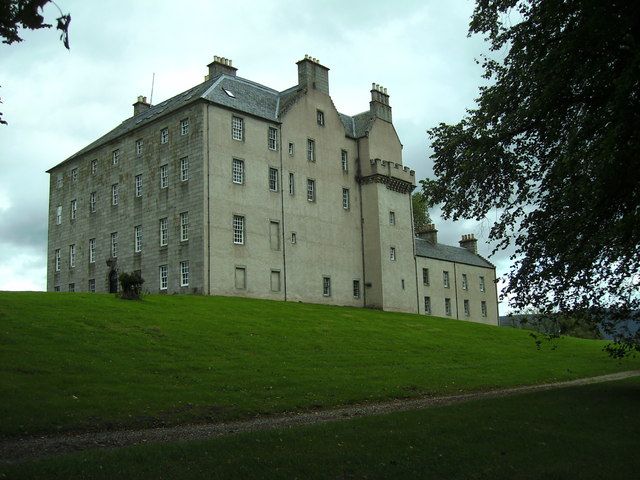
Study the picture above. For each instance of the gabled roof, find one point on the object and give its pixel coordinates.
(449, 253)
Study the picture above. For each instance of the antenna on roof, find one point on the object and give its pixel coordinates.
(153, 79)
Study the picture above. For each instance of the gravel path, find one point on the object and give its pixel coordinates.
(29, 448)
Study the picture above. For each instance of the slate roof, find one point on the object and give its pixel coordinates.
(248, 97)
(449, 253)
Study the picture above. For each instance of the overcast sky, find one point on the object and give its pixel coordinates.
(58, 101)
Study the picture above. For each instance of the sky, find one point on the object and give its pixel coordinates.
(58, 101)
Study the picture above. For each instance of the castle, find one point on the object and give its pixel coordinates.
(234, 188)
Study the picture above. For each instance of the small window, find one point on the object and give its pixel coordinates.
(241, 278)
(467, 310)
(92, 250)
(59, 180)
(274, 235)
(164, 176)
(164, 232)
(114, 194)
(228, 92)
(92, 285)
(139, 185)
(272, 140)
(311, 150)
(482, 287)
(139, 146)
(356, 289)
(184, 169)
(114, 244)
(164, 135)
(115, 157)
(292, 184)
(57, 259)
(392, 254)
(275, 280)
(402, 283)
(74, 209)
(427, 305)
(465, 283)
(184, 126)
(344, 161)
(445, 278)
(72, 287)
(184, 274)
(320, 117)
(447, 306)
(92, 202)
(237, 171)
(291, 149)
(184, 226)
(137, 238)
(238, 229)
(94, 167)
(273, 179)
(483, 308)
(58, 214)
(56, 288)
(392, 217)
(164, 277)
(345, 199)
(326, 286)
(311, 190)
(74, 175)
(425, 276)
(237, 128)
(294, 238)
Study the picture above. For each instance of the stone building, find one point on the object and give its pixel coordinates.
(234, 188)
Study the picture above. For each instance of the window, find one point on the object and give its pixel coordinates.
(326, 286)
(237, 174)
(445, 278)
(392, 254)
(56, 288)
(447, 306)
(164, 232)
(273, 179)
(58, 214)
(311, 190)
(392, 217)
(483, 308)
(184, 274)
(164, 176)
(427, 305)
(72, 256)
(72, 287)
(237, 128)
(184, 226)
(481, 283)
(345, 198)
(241, 278)
(139, 185)
(164, 277)
(292, 184)
(273, 139)
(402, 283)
(92, 202)
(137, 238)
(94, 167)
(294, 238)
(184, 169)
(74, 209)
(320, 117)
(115, 157)
(114, 244)
(344, 161)
(356, 289)
(291, 148)
(465, 283)
(274, 235)
(92, 285)
(425, 276)
(311, 150)
(275, 280)
(467, 311)
(164, 135)
(139, 146)
(92, 250)
(184, 126)
(74, 175)
(57, 259)
(114, 194)
(238, 229)
(59, 180)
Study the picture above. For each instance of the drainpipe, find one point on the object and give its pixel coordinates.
(364, 273)
(206, 120)
(284, 244)
(415, 259)
(455, 286)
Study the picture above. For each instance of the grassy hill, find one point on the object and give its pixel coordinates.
(87, 361)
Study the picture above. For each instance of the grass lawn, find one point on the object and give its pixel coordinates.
(589, 432)
(87, 361)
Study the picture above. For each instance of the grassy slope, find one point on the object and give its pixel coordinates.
(79, 361)
(584, 432)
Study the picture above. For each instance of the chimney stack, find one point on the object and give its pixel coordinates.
(141, 105)
(219, 66)
(312, 75)
(379, 104)
(470, 243)
(428, 233)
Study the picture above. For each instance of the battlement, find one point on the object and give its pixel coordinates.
(398, 171)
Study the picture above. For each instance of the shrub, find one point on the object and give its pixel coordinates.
(131, 284)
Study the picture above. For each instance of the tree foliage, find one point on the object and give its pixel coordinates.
(16, 14)
(552, 151)
(421, 215)
(131, 284)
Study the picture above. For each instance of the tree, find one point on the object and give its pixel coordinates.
(131, 284)
(421, 215)
(15, 14)
(553, 147)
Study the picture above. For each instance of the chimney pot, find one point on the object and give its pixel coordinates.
(469, 242)
(221, 65)
(141, 105)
